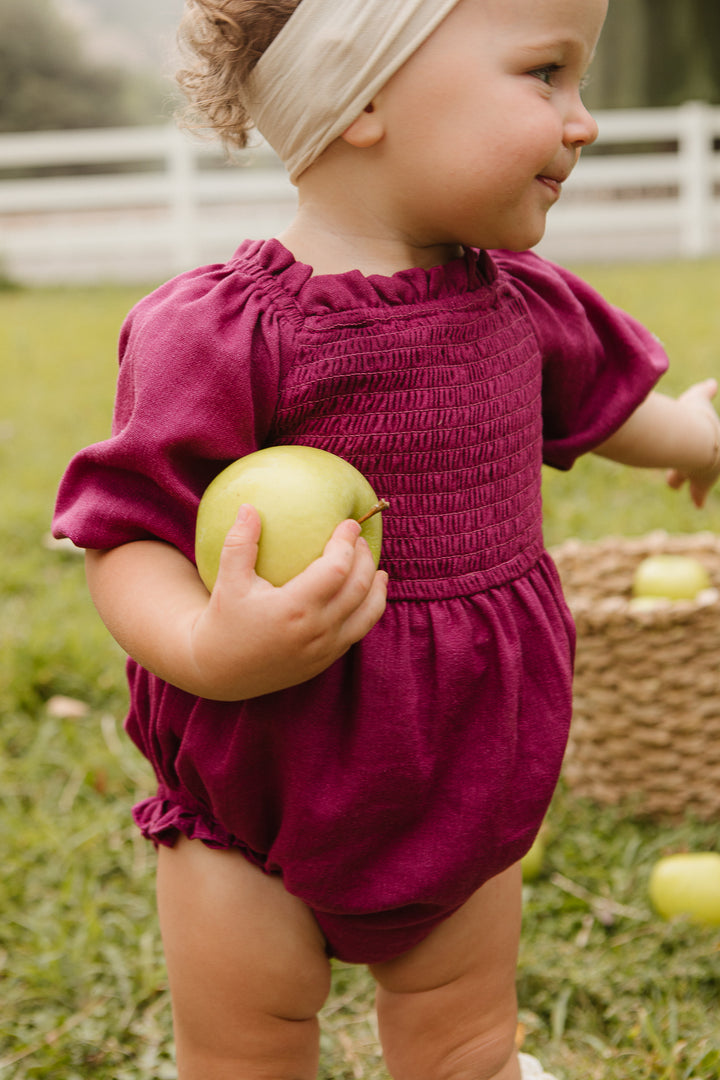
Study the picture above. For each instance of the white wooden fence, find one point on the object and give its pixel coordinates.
(138, 204)
(649, 187)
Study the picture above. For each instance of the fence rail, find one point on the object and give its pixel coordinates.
(650, 184)
(142, 203)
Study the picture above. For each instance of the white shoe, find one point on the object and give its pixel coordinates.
(531, 1069)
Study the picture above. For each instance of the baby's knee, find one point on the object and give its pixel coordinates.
(462, 1042)
(490, 1055)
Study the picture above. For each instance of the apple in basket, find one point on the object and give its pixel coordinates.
(687, 884)
(670, 577)
(301, 494)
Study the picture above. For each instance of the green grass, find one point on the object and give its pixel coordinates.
(679, 303)
(607, 990)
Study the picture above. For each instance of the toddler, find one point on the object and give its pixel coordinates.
(353, 764)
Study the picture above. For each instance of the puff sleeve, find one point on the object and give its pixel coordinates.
(197, 386)
(599, 363)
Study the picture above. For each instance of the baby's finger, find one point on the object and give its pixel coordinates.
(240, 551)
(362, 619)
(698, 493)
(675, 479)
(705, 390)
(326, 576)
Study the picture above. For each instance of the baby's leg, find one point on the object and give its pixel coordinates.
(247, 967)
(447, 1009)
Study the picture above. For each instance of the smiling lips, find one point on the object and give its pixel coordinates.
(555, 185)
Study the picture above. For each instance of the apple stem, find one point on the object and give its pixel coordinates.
(383, 504)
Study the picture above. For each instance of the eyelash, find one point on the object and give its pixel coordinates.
(545, 73)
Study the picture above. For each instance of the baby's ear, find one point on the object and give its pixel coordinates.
(366, 130)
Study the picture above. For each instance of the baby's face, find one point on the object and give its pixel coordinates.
(485, 121)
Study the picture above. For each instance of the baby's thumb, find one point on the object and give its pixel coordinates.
(706, 390)
(240, 549)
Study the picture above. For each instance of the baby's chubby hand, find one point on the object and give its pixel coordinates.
(698, 401)
(253, 638)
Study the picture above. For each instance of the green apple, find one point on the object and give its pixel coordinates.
(301, 494)
(674, 577)
(533, 861)
(646, 603)
(687, 884)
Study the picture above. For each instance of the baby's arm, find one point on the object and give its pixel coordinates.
(247, 638)
(681, 435)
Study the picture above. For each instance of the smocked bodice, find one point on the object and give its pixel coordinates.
(439, 405)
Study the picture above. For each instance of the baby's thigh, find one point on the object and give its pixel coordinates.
(246, 963)
(447, 1008)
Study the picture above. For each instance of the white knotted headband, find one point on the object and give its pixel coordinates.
(326, 65)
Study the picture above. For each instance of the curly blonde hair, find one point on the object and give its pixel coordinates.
(223, 40)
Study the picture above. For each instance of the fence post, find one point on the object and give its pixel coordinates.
(696, 194)
(181, 167)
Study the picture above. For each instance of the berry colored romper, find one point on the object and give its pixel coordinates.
(390, 787)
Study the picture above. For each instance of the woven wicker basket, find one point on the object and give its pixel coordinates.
(646, 723)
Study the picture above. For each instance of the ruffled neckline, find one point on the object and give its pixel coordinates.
(325, 293)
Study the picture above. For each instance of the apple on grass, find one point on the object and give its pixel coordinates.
(687, 884)
(669, 577)
(533, 861)
(301, 494)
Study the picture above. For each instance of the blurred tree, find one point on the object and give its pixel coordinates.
(657, 52)
(652, 52)
(46, 81)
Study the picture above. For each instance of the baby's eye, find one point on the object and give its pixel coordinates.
(546, 72)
